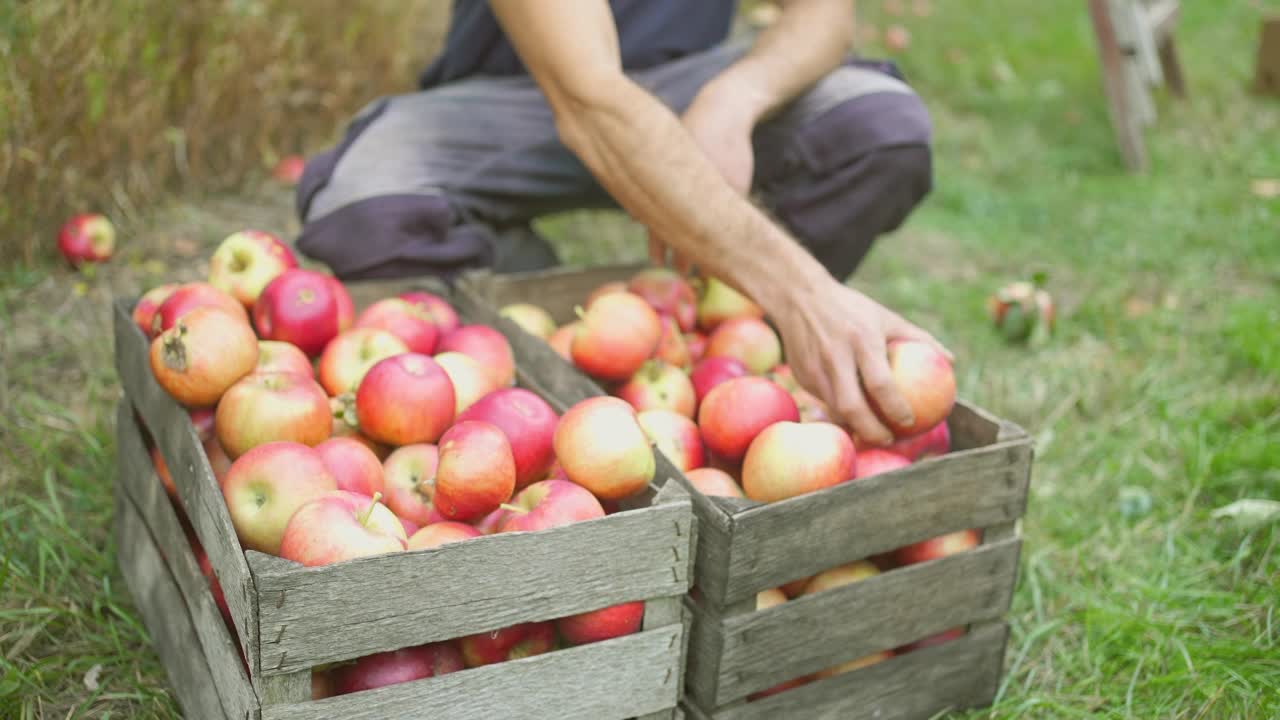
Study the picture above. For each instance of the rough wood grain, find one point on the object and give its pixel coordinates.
(926, 683)
(138, 481)
(165, 615)
(810, 633)
(620, 678)
(773, 544)
(286, 689)
(201, 498)
(337, 612)
(706, 643)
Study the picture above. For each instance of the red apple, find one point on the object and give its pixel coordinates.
(202, 419)
(854, 665)
(162, 471)
(288, 169)
(469, 379)
(298, 306)
(487, 347)
(349, 356)
(712, 481)
(441, 312)
(441, 533)
(352, 464)
(509, 643)
(811, 408)
(405, 399)
(145, 311)
(935, 441)
(609, 288)
(659, 386)
(272, 407)
(266, 485)
(603, 624)
(840, 576)
(397, 666)
(675, 436)
(190, 296)
(671, 346)
(750, 340)
(246, 261)
(938, 547)
(618, 332)
(719, 302)
(275, 356)
(531, 318)
(924, 377)
(340, 526)
(710, 372)
(203, 355)
(668, 293)
(346, 308)
(562, 340)
(874, 461)
(529, 424)
(940, 638)
(219, 462)
(409, 481)
(410, 528)
(491, 523)
(547, 504)
(696, 343)
(788, 459)
(795, 588)
(407, 321)
(477, 472)
(87, 238)
(735, 411)
(321, 684)
(601, 446)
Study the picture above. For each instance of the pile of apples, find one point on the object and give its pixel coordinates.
(336, 435)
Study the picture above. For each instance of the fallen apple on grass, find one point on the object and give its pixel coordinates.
(476, 473)
(789, 458)
(301, 307)
(509, 643)
(737, 410)
(350, 354)
(339, 526)
(408, 322)
(405, 399)
(202, 355)
(271, 407)
(601, 446)
(658, 385)
(267, 485)
(246, 262)
(397, 666)
(603, 624)
(87, 238)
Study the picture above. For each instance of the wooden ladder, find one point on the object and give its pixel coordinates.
(1138, 53)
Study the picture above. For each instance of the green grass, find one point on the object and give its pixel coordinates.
(1163, 382)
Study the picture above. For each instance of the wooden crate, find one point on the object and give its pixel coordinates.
(744, 547)
(289, 619)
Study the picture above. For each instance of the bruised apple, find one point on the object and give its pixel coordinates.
(601, 446)
(734, 412)
(205, 352)
(617, 334)
(788, 459)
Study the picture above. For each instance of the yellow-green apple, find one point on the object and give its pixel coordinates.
(275, 356)
(470, 381)
(441, 312)
(298, 306)
(601, 446)
(617, 333)
(667, 292)
(547, 504)
(675, 436)
(413, 325)
(658, 385)
(603, 624)
(267, 485)
(854, 665)
(144, 311)
(718, 302)
(938, 547)
(924, 377)
(789, 458)
(476, 473)
(751, 340)
(840, 576)
(409, 481)
(350, 354)
(441, 533)
(531, 318)
(562, 340)
(529, 423)
(873, 461)
(617, 286)
(940, 638)
(346, 308)
(773, 597)
(203, 354)
(339, 526)
(288, 169)
(935, 441)
(713, 481)
(509, 643)
(736, 410)
(246, 261)
(671, 345)
(397, 666)
(710, 372)
(190, 296)
(272, 407)
(352, 464)
(696, 343)
(487, 347)
(405, 399)
(87, 238)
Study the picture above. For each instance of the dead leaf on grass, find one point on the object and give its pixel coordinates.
(91, 678)
(1266, 188)
(1249, 511)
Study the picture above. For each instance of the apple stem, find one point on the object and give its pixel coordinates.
(368, 512)
(513, 508)
(577, 310)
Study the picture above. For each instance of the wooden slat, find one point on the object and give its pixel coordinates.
(963, 673)
(972, 427)
(201, 498)
(165, 615)
(620, 678)
(558, 291)
(810, 633)
(139, 482)
(311, 616)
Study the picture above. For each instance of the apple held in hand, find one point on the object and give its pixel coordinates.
(441, 533)
(267, 485)
(938, 547)
(339, 526)
(349, 356)
(659, 386)
(441, 312)
(405, 399)
(789, 459)
(87, 238)
(476, 473)
(397, 666)
(246, 261)
(603, 624)
(529, 423)
(282, 357)
(601, 446)
(409, 481)
(353, 465)
(190, 296)
(617, 334)
(710, 372)
(719, 302)
(676, 437)
(737, 410)
(748, 339)
(924, 377)
(874, 461)
(145, 311)
(668, 293)
(272, 407)
(714, 482)
(410, 323)
(203, 355)
(531, 318)
(301, 307)
(509, 643)
(547, 504)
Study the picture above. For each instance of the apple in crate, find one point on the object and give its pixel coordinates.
(349, 356)
(271, 407)
(529, 423)
(476, 473)
(509, 643)
(441, 533)
(840, 576)
(246, 261)
(671, 345)
(854, 665)
(617, 334)
(267, 485)
(87, 238)
(940, 638)
(719, 302)
(603, 624)
(658, 385)
(609, 288)
(737, 410)
(301, 307)
(714, 482)
(487, 347)
(409, 481)
(397, 666)
(346, 308)
(710, 372)
(935, 441)
(353, 465)
(410, 323)
(773, 597)
(788, 459)
(275, 356)
(925, 378)
(675, 436)
(873, 461)
(938, 547)
(202, 355)
(601, 446)
(339, 526)
(441, 312)
(696, 343)
(469, 379)
(667, 292)
(190, 296)
(405, 399)
(547, 504)
(530, 318)
(144, 311)
(562, 340)
(748, 339)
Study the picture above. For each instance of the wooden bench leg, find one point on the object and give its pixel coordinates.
(1172, 67)
(1124, 117)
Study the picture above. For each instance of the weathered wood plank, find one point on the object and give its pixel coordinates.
(774, 544)
(972, 427)
(311, 616)
(558, 291)
(137, 479)
(808, 634)
(201, 498)
(286, 689)
(165, 615)
(610, 680)
(963, 673)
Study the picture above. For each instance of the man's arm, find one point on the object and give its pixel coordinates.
(638, 150)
